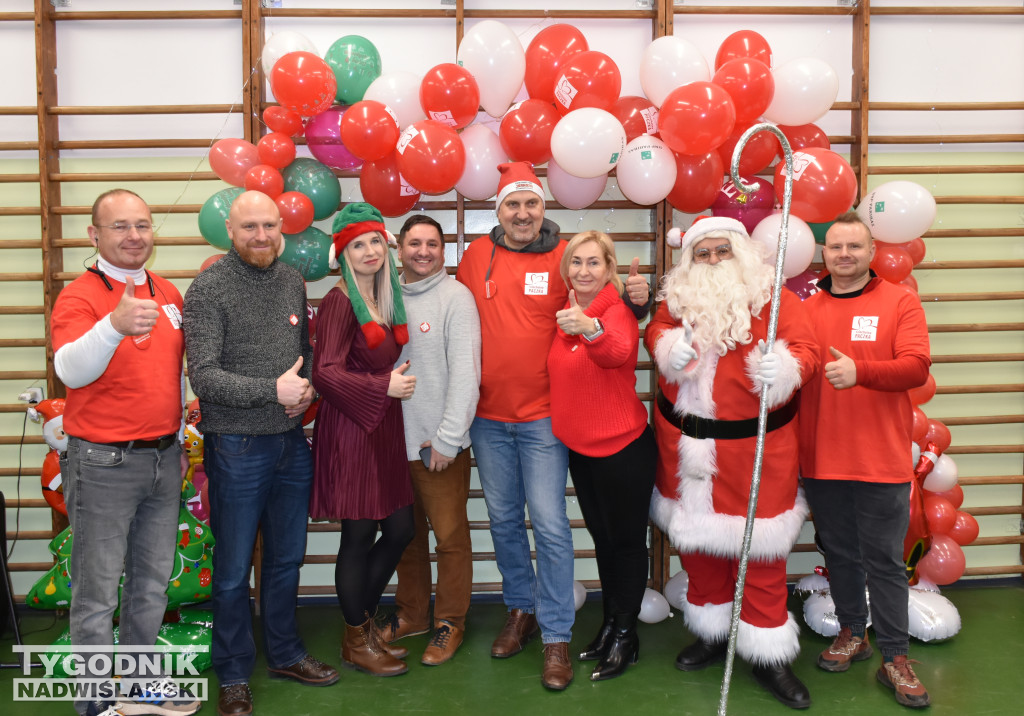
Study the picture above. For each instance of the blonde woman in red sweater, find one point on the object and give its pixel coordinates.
(612, 452)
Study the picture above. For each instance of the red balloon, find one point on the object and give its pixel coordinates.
(525, 131)
(637, 115)
(803, 284)
(940, 514)
(757, 155)
(231, 158)
(698, 181)
(923, 393)
(210, 261)
(744, 43)
(431, 156)
(944, 563)
(284, 120)
(955, 495)
(892, 262)
(382, 185)
(276, 149)
(589, 79)
(910, 283)
(824, 185)
(801, 137)
(937, 433)
(296, 211)
(369, 129)
(750, 84)
(303, 82)
(965, 529)
(266, 179)
(920, 427)
(449, 94)
(916, 249)
(545, 56)
(696, 118)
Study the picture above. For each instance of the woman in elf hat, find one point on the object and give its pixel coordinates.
(361, 475)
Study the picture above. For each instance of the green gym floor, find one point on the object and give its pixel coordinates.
(976, 672)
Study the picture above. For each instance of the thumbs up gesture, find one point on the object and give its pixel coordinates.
(573, 320)
(133, 316)
(637, 287)
(842, 372)
(401, 385)
(291, 387)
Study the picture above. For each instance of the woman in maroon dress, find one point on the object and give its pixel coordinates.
(361, 475)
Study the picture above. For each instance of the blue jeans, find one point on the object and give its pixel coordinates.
(523, 465)
(257, 481)
(123, 506)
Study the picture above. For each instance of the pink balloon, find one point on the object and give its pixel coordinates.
(803, 284)
(571, 191)
(944, 563)
(323, 137)
(232, 158)
(748, 209)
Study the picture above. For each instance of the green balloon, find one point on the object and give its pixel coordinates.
(818, 230)
(213, 215)
(181, 634)
(356, 64)
(315, 180)
(307, 251)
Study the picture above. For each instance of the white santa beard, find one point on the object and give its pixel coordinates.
(715, 300)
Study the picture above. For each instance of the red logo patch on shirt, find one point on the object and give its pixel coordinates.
(424, 327)
(293, 319)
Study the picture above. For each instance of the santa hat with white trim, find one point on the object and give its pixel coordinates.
(701, 226)
(517, 176)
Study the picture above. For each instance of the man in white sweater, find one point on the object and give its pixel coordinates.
(444, 350)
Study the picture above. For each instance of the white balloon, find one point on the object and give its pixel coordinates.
(579, 593)
(915, 454)
(932, 617)
(573, 192)
(805, 90)
(401, 92)
(653, 608)
(647, 171)
(671, 62)
(495, 57)
(480, 177)
(588, 142)
(799, 244)
(820, 614)
(280, 44)
(810, 584)
(675, 589)
(943, 476)
(897, 211)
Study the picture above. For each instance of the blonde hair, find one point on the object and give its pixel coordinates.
(607, 252)
(383, 290)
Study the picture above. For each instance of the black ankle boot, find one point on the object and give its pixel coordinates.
(784, 685)
(701, 654)
(623, 650)
(599, 646)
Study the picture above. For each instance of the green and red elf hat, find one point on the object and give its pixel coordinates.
(355, 220)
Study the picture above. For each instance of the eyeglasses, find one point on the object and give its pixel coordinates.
(121, 228)
(703, 256)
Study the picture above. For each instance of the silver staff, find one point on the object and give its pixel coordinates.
(762, 414)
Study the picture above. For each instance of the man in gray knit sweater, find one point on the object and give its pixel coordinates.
(249, 361)
(444, 350)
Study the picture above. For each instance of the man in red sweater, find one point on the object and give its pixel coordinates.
(873, 343)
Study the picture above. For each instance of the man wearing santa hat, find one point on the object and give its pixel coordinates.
(708, 340)
(514, 276)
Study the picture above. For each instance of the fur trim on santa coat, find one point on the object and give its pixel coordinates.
(756, 645)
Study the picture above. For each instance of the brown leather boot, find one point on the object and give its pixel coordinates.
(397, 651)
(362, 650)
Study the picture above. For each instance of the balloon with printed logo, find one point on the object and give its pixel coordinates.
(214, 213)
(355, 62)
(231, 158)
(824, 185)
(897, 211)
(525, 131)
(574, 192)
(698, 179)
(799, 245)
(750, 84)
(589, 79)
(944, 563)
(805, 90)
(588, 142)
(696, 118)
(400, 91)
(383, 186)
(303, 82)
(431, 156)
(801, 137)
(296, 211)
(748, 209)
(668, 63)
(323, 137)
(280, 44)
(266, 179)
(369, 129)
(923, 393)
(965, 529)
(547, 52)
(276, 150)
(757, 154)
(637, 115)
(492, 53)
(480, 174)
(743, 44)
(449, 95)
(307, 251)
(647, 171)
(891, 262)
(283, 120)
(316, 181)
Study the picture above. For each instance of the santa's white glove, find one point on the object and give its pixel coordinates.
(682, 352)
(768, 366)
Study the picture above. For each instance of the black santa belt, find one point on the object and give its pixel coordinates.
(707, 428)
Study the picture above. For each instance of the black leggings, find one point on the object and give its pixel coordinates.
(364, 567)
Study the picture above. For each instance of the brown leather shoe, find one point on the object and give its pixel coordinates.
(397, 651)
(363, 650)
(234, 700)
(557, 666)
(443, 645)
(519, 628)
(309, 671)
(395, 627)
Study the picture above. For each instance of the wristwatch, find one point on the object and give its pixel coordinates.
(600, 330)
